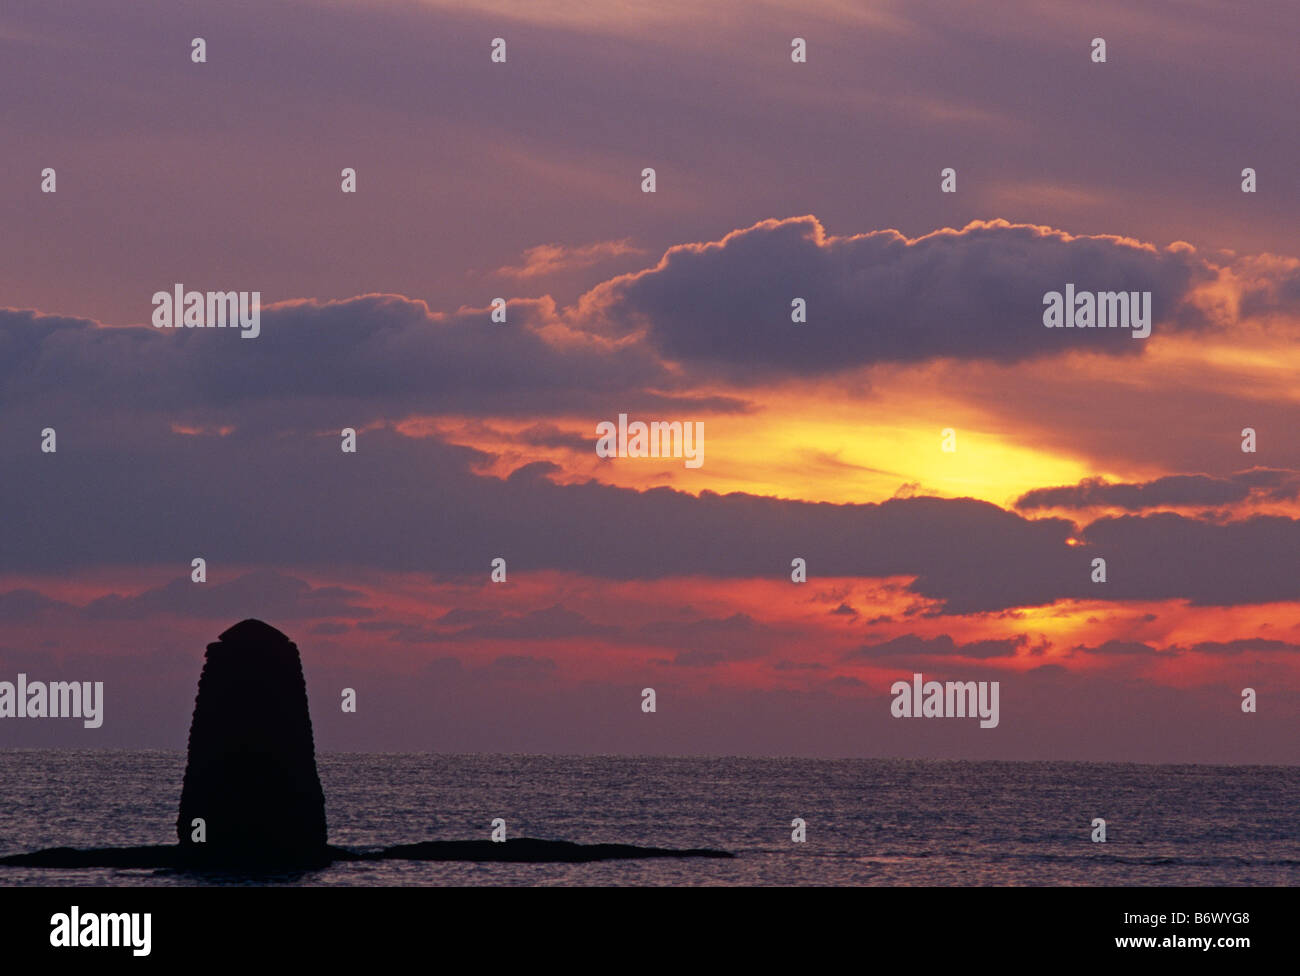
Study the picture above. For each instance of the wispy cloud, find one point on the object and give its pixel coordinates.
(546, 259)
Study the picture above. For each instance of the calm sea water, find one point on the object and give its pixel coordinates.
(870, 822)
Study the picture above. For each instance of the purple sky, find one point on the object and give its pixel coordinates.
(523, 180)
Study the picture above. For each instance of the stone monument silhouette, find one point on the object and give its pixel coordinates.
(250, 777)
(251, 800)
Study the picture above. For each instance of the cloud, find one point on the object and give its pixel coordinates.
(1238, 646)
(330, 628)
(418, 505)
(1119, 647)
(703, 640)
(1169, 556)
(1245, 644)
(1170, 491)
(25, 604)
(368, 358)
(698, 659)
(546, 259)
(912, 645)
(524, 666)
(536, 435)
(551, 623)
(550, 157)
(721, 308)
(1270, 284)
(880, 297)
(263, 593)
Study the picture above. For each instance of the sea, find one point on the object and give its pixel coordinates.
(867, 821)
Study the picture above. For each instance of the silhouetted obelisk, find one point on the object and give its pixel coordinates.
(251, 774)
(251, 778)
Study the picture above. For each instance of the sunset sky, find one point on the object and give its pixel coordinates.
(775, 180)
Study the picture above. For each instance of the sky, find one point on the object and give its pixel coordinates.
(824, 440)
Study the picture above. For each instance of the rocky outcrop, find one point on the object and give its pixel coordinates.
(251, 772)
(251, 778)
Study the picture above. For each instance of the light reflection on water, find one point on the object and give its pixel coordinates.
(872, 822)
